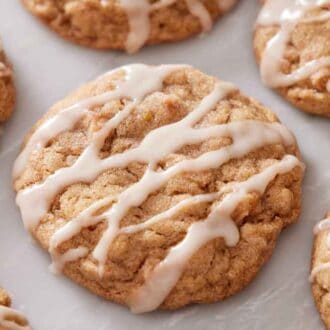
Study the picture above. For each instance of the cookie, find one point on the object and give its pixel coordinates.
(126, 24)
(292, 47)
(158, 194)
(320, 269)
(7, 91)
(10, 319)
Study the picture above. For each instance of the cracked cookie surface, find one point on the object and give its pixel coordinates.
(76, 206)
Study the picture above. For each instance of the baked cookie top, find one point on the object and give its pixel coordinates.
(320, 265)
(127, 24)
(158, 186)
(7, 93)
(292, 46)
(10, 319)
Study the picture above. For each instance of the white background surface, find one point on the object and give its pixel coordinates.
(47, 68)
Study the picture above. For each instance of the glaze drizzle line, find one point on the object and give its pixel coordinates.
(138, 14)
(219, 222)
(288, 14)
(246, 136)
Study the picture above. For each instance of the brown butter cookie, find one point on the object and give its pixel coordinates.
(162, 193)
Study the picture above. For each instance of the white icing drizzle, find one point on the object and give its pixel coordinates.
(318, 269)
(219, 222)
(254, 134)
(138, 13)
(138, 18)
(287, 14)
(246, 136)
(198, 9)
(322, 225)
(41, 195)
(319, 227)
(6, 319)
(69, 256)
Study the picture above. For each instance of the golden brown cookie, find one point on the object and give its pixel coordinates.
(4, 298)
(10, 319)
(7, 91)
(320, 265)
(292, 47)
(159, 186)
(126, 24)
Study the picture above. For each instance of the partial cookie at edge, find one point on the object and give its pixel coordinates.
(321, 279)
(7, 90)
(216, 271)
(308, 41)
(10, 318)
(106, 24)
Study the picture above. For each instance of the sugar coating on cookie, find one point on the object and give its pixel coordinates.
(7, 92)
(292, 45)
(127, 24)
(320, 269)
(10, 319)
(158, 186)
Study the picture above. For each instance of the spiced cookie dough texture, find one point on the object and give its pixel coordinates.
(320, 274)
(158, 187)
(292, 46)
(127, 24)
(10, 319)
(7, 91)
